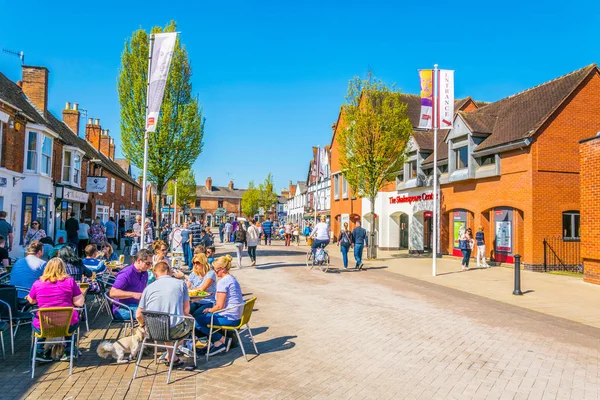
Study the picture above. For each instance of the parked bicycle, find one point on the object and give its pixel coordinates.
(320, 260)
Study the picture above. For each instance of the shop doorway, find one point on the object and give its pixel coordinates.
(404, 229)
(428, 231)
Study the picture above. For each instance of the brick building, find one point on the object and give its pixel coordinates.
(45, 163)
(216, 204)
(590, 208)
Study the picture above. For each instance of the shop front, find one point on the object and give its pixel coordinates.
(67, 201)
(402, 220)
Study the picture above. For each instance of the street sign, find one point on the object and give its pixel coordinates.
(169, 200)
(219, 212)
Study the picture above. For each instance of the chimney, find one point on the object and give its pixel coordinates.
(35, 86)
(209, 184)
(111, 150)
(230, 185)
(71, 116)
(105, 143)
(92, 133)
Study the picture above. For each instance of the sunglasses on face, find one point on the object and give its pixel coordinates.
(163, 249)
(148, 263)
(197, 263)
(34, 223)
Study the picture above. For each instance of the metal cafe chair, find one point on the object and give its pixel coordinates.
(9, 311)
(157, 327)
(131, 322)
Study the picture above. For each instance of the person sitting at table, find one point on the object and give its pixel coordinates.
(91, 259)
(108, 254)
(202, 278)
(73, 264)
(168, 295)
(160, 252)
(210, 254)
(29, 269)
(229, 294)
(55, 288)
(130, 283)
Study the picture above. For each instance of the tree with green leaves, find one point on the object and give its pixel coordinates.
(373, 138)
(251, 201)
(186, 187)
(177, 142)
(268, 197)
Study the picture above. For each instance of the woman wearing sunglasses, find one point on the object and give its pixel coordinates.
(33, 233)
(229, 295)
(202, 278)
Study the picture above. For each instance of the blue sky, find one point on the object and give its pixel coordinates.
(271, 75)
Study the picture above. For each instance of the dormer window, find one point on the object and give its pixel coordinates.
(412, 169)
(461, 157)
(443, 169)
(487, 160)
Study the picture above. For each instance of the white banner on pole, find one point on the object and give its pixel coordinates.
(323, 163)
(162, 53)
(446, 98)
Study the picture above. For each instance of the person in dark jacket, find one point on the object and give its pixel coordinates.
(359, 241)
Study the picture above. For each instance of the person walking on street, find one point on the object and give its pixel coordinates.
(221, 231)
(72, 228)
(296, 234)
(287, 233)
(228, 227)
(6, 230)
(84, 237)
(465, 244)
(111, 231)
(253, 238)
(359, 241)
(97, 235)
(185, 245)
(195, 229)
(345, 242)
(267, 227)
(121, 231)
(307, 231)
(240, 243)
(480, 239)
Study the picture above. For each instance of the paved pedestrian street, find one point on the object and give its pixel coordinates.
(372, 334)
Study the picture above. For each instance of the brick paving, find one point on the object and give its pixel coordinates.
(349, 335)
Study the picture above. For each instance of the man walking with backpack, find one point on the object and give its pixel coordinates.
(360, 241)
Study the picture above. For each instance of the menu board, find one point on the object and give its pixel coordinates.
(459, 226)
(503, 236)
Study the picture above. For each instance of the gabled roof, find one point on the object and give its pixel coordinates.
(302, 186)
(442, 148)
(124, 164)
(219, 191)
(521, 115)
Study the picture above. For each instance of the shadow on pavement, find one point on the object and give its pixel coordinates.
(276, 344)
(279, 265)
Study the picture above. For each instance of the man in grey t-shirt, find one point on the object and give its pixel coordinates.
(168, 295)
(6, 230)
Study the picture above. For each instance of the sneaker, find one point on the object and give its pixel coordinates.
(43, 358)
(220, 349)
(200, 344)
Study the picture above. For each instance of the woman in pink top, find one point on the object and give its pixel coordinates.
(55, 288)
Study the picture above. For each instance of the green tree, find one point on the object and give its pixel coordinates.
(251, 201)
(186, 187)
(268, 197)
(177, 141)
(374, 137)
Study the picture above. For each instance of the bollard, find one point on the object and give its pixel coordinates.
(517, 291)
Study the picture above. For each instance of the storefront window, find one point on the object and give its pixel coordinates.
(27, 213)
(461, 157)
(570, 222)
(504, 234)
(35, 207)
(42, 212)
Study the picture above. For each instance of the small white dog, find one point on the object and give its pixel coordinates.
(118, 349)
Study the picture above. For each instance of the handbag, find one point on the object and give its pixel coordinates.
(463, 245)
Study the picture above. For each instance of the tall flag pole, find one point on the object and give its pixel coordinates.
(436, 229)
(317, 181)
(160, 50)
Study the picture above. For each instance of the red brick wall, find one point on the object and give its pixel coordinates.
(13, 146)
(35, 86)
(590, 209)
(115, 200)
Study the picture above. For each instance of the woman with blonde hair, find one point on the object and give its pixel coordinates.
(55, 288)
(229, 295)
(202, 278)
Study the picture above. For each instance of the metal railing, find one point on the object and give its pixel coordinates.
(562, 254)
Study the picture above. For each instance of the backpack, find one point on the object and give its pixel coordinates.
(344, 239)
(240, 235)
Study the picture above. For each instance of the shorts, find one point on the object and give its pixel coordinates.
(135, 247)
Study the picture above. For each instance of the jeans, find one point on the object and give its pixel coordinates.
(122, 314)
(358, 252)
(466, 257)
(267, 237)
(221, 236)
(344, 250)
(198, 306)
(185, 247)
(238, 249)
(252, 253)
(481, 255)
(40, 343)
(203, 321)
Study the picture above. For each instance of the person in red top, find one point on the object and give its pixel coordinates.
(55, 288)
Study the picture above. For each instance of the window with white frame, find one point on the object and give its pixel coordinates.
(412, 169)
(336, 187)
(122, 189)
(344, 187)
(31, 151)
(571, 220)
(112, 185)
(461, 158)
(71, 168)
(102, 212)
(46, 155)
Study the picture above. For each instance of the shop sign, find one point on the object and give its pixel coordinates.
(96, 184)
(411, 199)
(503, 236)
(428, 214)
(219, 212)
(75, 195)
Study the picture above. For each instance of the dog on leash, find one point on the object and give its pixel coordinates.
(58, 349)
(118, 349)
